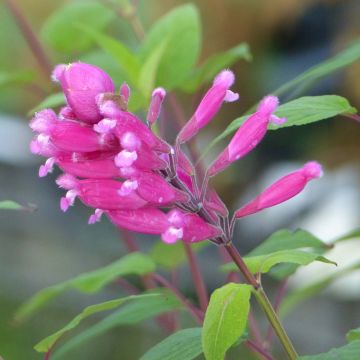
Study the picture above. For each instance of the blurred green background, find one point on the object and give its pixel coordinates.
(44, 247)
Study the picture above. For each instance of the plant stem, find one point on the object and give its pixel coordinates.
(256, 348)
(30, 37)
(263, 301)
(197, 277)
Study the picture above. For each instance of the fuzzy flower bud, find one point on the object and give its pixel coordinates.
(248, 136)
(157, 99)
(81, 84)
(283, 189)
(210, 105)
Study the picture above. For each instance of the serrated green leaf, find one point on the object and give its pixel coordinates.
(47, 343)
(302, 111)
(214, 64)
(263, 263)
(338, 62)
(138, 310)
(296, 296)
(51, 101)
(225, 319)
(150, 68)
(288, 240)
(16, 78)
(122, 55)
(184, 344)
(10, 205)
(174, 255)
(90, 282)
(181, 27)
(353, 335)
(60, 29)
(348, 352)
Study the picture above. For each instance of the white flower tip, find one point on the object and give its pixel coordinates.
(268, 105)
(125, 158)
(128, 187)
(172, 235)
(313, 170)
(130, 141)
(161, 92)
(225, 78)
(277, 120)
(96, 217)
(64, 204)
(57, 72)
(67, 181)
(231, 96)
(104, 126)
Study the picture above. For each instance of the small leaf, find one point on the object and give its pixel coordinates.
(225, 319)
(61, 32)
(90, 282)
(181, 27)
(351, 235)
(47, 343)
(263, 263)
(174, 255)
(338, 62)
(348, 352)
(288, 240)
(138, 310)
(214, 64)
(10, 205)
(353, 335)
(149, 70)
(51, 101)
(184, 344)
(16, 78)
(124, 57)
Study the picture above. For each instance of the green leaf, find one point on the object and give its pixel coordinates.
(288, 240)
(138, 310)
(225, 319)
(16, 78)
(214, 64)
(172, 256)
(263, 263)
(47, 343)
(302, 294)
(351, 235)
(61, 32)
(90, 282)
(353, 335)
(51, 101)
(181, 27)
(124, 57)
(149, 70)
(302, 111)
(338, 62)
(10, 205)
(184, 344)
(348, 352)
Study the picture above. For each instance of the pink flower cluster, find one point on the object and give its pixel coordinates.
(114, 163)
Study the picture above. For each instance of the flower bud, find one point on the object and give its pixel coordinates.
(157, 99)
(283, 189)
(81, 83)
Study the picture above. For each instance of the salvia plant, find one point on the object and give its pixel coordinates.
(122, 166)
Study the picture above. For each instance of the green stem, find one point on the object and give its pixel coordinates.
(263, 301)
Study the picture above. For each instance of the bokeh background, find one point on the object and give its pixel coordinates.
(41, 248)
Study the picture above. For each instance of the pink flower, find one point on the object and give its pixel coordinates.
(282, 190)
(210, 105)
(81, 84)
(118, 166)
(249, 135)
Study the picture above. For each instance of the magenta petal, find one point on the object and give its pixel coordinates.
(282, 190)
(147, 220)
(81, 84)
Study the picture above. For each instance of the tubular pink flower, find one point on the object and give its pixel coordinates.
(248, 136)
(157, 99)
(101, 193)
(145, 220)
(283, 189)
(81, 84)
(210, 105)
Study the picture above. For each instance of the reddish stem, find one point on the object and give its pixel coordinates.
(30, 37)
(197, 278)
(129, 241)
(256, 348)
(355, 117)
